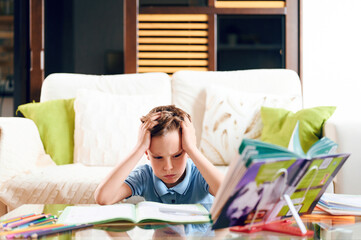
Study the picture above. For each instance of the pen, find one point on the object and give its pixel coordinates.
(183, 211)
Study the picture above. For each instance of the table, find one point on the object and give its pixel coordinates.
(323, 230)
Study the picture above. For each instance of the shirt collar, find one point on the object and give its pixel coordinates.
(180, 188)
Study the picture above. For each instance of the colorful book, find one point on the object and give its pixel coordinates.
(257, 181)
(143, 212)
(340, 204)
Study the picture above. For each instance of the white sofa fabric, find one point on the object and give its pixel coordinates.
(28, 175)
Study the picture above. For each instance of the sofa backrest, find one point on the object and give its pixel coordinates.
(65, 85)
(189, 87)
(186, 89)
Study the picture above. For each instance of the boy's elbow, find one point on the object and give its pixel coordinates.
(103, 199)
(99, 198)
(101, 202)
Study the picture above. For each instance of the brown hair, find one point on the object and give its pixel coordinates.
(169, 120)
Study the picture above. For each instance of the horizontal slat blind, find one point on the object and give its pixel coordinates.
(172, 42)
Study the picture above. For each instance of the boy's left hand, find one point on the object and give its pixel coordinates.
(189, 140)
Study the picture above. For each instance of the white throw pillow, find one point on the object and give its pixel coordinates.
(106, 125)
(232, 115)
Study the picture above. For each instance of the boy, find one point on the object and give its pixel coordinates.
(167, 137)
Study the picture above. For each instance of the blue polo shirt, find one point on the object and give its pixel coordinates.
(193, 188)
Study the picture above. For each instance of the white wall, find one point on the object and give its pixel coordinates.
(332, 53)
(331, 75)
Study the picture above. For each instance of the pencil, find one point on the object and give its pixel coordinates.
(28, 229)
(14, 219)
(55, 230)
(330, 217)
(27, 220)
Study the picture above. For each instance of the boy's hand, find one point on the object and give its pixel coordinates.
(189, 140)
(144, 132)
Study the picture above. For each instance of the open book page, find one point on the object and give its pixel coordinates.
(324, 146)
(175, 213)
(96, 214)
(255, 149)
(294, 144)
(249, 151)
(308, 187)
(235, 172)
(258, 191)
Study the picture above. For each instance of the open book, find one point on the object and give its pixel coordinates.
(256, 182)
(143, 212)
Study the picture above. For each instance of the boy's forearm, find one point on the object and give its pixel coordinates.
(209, 172)
(108, 190)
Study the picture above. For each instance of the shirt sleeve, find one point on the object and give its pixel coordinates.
(137, 180)
(200, 179)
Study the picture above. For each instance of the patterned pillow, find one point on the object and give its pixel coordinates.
(106, 125)
(231, 116)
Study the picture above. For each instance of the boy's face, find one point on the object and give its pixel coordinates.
(167, 158)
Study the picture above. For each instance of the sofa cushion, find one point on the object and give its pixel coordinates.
(65, 184)
(232, 115)
(279, 125)
(188, 87)
(106, 125)
(55, 122)
(21, 149)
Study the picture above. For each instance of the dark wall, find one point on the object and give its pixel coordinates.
(21, 53)
(81, 34)
(98, 29)
(59, 47)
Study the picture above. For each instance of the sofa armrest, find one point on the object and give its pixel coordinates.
(21, 148)
(345, 130)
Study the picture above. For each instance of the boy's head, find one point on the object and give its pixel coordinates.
(165, 153)
(169, 120)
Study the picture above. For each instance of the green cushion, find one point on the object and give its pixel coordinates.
(278, 125)
(55, 121)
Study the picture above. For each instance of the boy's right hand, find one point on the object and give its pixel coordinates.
(144, 132)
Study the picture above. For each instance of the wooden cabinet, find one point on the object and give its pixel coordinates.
(210, 35)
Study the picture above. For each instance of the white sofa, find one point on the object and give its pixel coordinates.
(28, 175)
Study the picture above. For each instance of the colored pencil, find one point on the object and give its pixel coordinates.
(4, 223)
(329, 217)
(52, 220)
(56, 230)
(36, 222)
(29, 229)
(27, 220)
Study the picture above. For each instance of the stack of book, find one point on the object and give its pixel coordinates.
(340, 204)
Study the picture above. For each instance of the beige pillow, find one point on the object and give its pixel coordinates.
(106, 125)
(231, 116)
